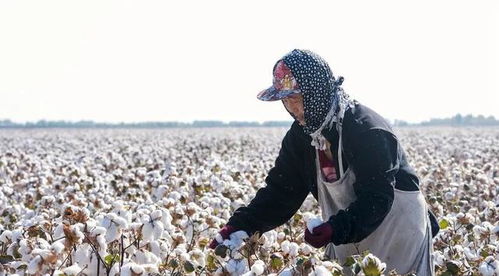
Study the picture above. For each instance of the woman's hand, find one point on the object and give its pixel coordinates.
(224, 235)
(320, 236)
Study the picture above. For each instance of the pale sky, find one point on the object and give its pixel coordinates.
(131, 61)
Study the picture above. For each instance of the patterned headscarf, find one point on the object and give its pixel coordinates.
(324, 100)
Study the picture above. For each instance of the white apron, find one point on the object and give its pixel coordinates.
(403, 240)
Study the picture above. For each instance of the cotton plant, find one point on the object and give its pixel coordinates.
(100, 200)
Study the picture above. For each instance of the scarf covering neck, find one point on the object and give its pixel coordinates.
(324, 100)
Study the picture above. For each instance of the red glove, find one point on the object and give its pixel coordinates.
(225, 233)
(321, 236)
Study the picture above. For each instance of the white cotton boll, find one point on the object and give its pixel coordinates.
(470, 254)
(146, 257)
(174, 195)
(16, 264)
(118, 205)
(71, 270)
(236, 244)
(98, 230)
(166, 219)
(113, 232)
(230, 266)
(155, 248)
(219, 272)
(131, 269)
(152, 230)
(438, 258)
(495, 230)
(184, 256)
(219, 238)
(180, 249)
(101, 241)
(332, 266)
(198, 257)
(24, 250)
(258, 267)
(449, 196)
(6, 236)
(34, 265)
(77, 232)
(156, 215)
(235, 254)
(287, 272)
(489, 267)
(82, 254)
(236, 267)
(478, 230)
(121, 222)
(371, 259)
(59, 232)
(305, 249)
(312, 223)
(293, 249)
(239, 235)
(270, 238)
(281, 236)
(285, 247)
(91, 223)
(320, 270)
(189, 232)
(58, 247)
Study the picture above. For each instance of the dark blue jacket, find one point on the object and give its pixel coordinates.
(376, 157)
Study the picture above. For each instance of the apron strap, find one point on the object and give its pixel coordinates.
(340, 148)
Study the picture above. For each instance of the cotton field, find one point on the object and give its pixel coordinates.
(148, 202)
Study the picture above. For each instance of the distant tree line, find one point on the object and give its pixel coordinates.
(456, 120)
(91, 124)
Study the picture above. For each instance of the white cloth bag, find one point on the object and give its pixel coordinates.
(403, 240)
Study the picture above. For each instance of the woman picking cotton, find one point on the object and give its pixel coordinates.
(351, 161)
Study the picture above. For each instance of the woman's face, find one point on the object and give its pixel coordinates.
(294, 105)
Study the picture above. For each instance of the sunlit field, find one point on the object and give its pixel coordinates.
(149, 201)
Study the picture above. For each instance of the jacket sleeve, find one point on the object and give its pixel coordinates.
(283, 195)
(374, 160)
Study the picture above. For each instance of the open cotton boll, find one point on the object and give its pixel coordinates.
(293, 249)
(320, 270)
(312, 223)
(130, 269)
(236, 267)
(156, 214)
(145, 257)
(305, 249)
(59, 231)
(489, 267)
(198, 257)
(34, 265)
(470, 254)
(270, 237)
(239, 235)
(6, 236)
(58, 247)
(71, 270)
(332, 266)
(371, 262)
(285, 247)
(219, 238)
(287, 272)
(258, 267)
(98, 230)
(152, 230)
